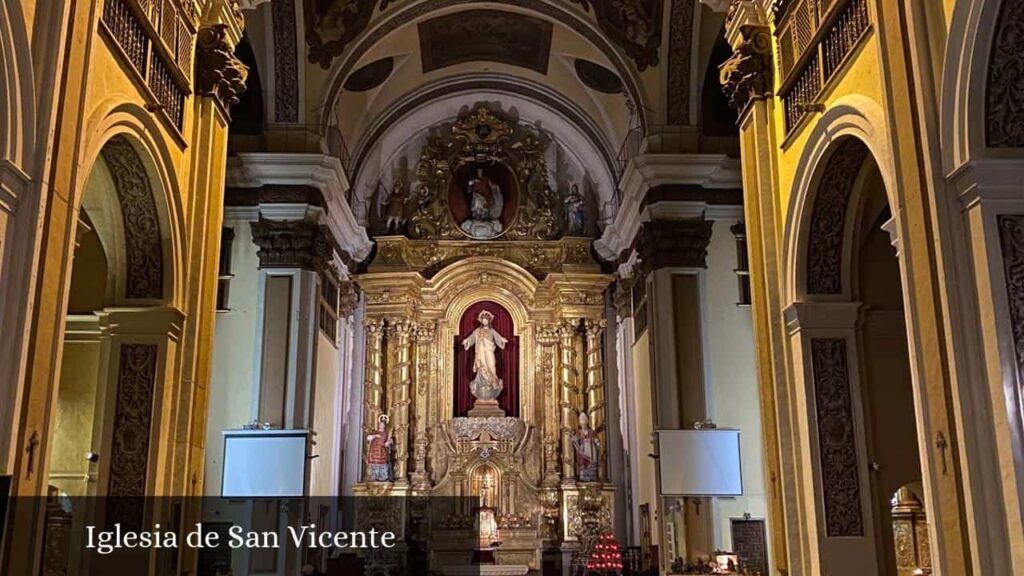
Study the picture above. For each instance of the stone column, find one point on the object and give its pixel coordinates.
(569, 390)
(423, 340)
(823, 341)
(594, 390)
(373, 395)
(547, 339)
(747, 79)
(399, 381)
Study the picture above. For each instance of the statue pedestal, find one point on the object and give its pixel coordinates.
(486, 408)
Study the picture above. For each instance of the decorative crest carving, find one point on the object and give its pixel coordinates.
(484, 138)
(218, 72)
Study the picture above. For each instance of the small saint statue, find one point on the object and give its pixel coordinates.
(588, 451)
(378, 452)
(394, 207)
(485, 385)
(574, 211)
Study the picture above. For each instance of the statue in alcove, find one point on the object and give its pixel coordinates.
(378, 452)
(394, 207)
(486, 203)
(588, 451)
(486, 385)
(574, 211)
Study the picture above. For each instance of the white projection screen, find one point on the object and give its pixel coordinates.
(264, 464)
(700, 462)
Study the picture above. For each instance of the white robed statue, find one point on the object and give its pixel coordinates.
(485, 385)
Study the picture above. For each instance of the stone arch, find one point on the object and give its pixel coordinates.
(857, 124)
(970, 126)
(149, 202)
(17, 102)
(411, 14)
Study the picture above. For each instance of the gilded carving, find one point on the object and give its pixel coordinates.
(1004, 94)
(836, 438)
(478, 139)
(828, 218)
(144, 273)
(218, 73)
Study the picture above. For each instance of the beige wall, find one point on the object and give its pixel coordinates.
(231, 386)
(76, 407)
(735, 402)
(326, 409)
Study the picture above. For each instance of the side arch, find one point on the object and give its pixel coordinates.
(851, 122)
(142, 167)
(17, 105)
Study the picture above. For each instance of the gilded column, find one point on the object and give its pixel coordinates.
(547, 339)
(594, 390)
(398, 384)
(373, 395)
(423, 338)
(569, 389)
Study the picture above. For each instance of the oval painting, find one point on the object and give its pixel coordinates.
(483, 198)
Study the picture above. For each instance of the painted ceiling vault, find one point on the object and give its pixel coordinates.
(374, 80)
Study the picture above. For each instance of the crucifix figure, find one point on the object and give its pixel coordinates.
(33, 443)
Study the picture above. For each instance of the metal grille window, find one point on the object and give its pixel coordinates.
(329, 301)
(739, 230)
(224, 275)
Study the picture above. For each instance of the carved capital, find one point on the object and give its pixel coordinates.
(664, 243)
(547, 334)
(595, 328)
(294, 244)
(218, 73)
(748, 74)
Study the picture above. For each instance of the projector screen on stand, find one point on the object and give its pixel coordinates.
(700, 462)
(264, 464)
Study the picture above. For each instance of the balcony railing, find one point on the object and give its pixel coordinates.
(156, 37)
(815, 38)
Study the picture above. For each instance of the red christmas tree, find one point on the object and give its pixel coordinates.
(605, 557)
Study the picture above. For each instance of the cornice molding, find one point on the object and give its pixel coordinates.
(646, 171)
(256, 169)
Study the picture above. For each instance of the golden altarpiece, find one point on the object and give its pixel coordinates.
(520, 462)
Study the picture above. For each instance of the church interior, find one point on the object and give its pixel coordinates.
(631, 287)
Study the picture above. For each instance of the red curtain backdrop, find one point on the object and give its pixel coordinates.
(507, 359)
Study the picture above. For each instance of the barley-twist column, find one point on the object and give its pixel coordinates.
(423, 339)
(547, 380)
(569, 381)
(399, 383)
(373, 395)
(594, 390)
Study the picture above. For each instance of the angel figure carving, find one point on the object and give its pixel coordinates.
(485, 385)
